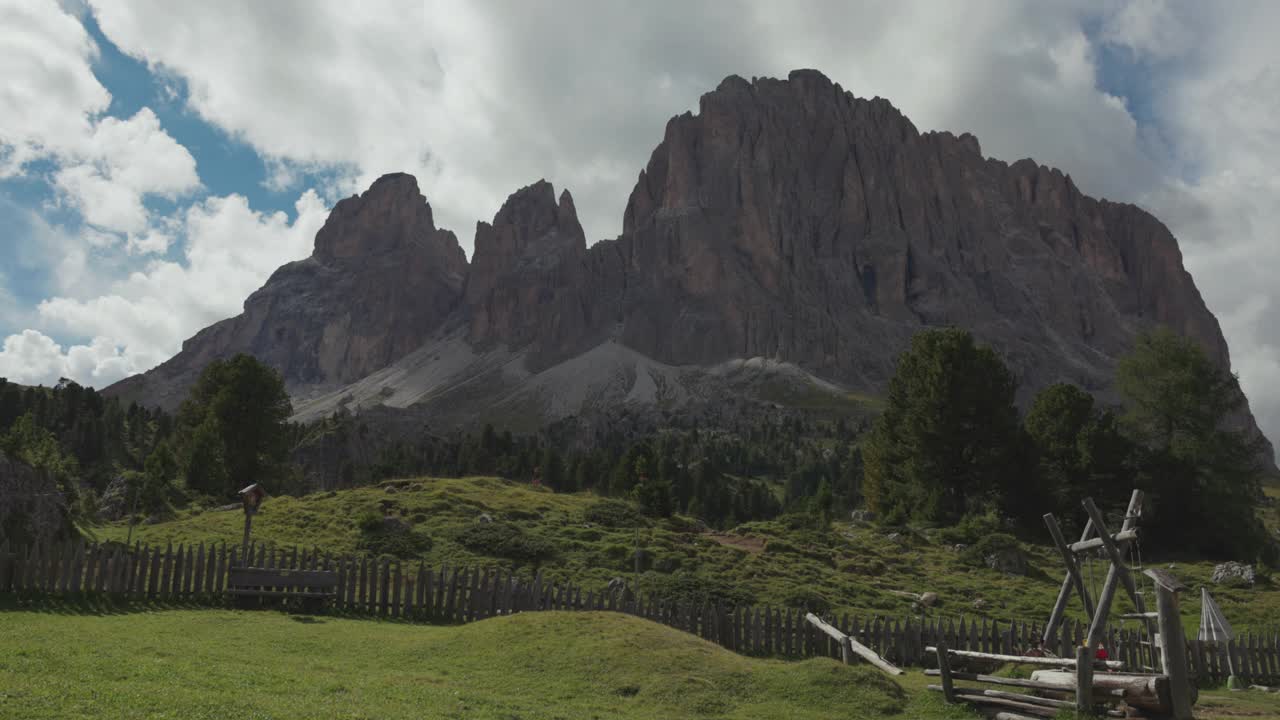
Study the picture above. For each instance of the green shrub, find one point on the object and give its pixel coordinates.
(977, 553)
(401, 544)
(369, 521)
(972, 528)
(500, 539)
(799, 521)
(614, 514)
(775, 545)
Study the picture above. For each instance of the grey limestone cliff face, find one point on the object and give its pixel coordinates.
(382, 277)
(787, 219)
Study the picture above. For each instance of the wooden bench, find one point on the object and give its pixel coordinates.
(313, 587)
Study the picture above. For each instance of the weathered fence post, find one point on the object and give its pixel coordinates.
(944, 670)
(1084, 681)
(1173, 646)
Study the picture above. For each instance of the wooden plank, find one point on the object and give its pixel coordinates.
(197, 583)
(1046, 661)
(153, 574)
(1099, 692)
(384, 583)
(225, 560)
(175, 582)
(451, 598)
(106, 566)
(6, 563)
(362, 585)
(427, 605)
(1023, 707)
(76, 566)
(395, 592)
(967, 693)
(68, 565)
(422, 590)
(210, 571)
(410, 587)
(858, 648)
(142, 557)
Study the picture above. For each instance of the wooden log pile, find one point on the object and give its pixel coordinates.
(1098, 690)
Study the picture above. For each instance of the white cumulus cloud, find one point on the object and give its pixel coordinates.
(141, 320)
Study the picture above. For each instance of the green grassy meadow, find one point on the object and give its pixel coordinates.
(218, 664)
(848, 568)
(69, 662)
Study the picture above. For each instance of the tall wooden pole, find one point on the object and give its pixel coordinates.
(1173, 645)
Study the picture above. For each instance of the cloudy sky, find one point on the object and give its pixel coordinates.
(159, 159)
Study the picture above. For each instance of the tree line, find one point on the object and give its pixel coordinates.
(950, 446)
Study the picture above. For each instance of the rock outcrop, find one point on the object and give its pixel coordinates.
(786, 220)
(526, 282)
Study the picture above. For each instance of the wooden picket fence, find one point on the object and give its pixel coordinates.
(390, 588)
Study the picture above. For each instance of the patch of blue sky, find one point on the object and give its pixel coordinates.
(30, 211)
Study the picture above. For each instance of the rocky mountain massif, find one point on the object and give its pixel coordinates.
(789, 235)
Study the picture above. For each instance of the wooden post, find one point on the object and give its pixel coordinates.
(1084, 681)
(944, 669)
(1173, 646)
(1064, 593)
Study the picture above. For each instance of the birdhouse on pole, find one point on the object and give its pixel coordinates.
(251, 497)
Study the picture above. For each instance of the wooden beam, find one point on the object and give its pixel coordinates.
(1028, 708)
(1022, 660)
(1123, 536)
(1069, 559)
(968, 693)
(1103, 608)
(858, 648)
(1064, 594)
(1114, 692)
(1173, 653)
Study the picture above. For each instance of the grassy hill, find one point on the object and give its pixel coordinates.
(214, 664)
(579, 539)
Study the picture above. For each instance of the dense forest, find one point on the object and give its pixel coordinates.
(949, 447)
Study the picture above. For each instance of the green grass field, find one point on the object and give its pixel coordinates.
(218, 664)
(848, 568)
(175, 663)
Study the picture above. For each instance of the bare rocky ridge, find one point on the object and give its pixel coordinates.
(787, 220)
(382, 278)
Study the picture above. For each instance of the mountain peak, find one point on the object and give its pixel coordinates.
(388, 216)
